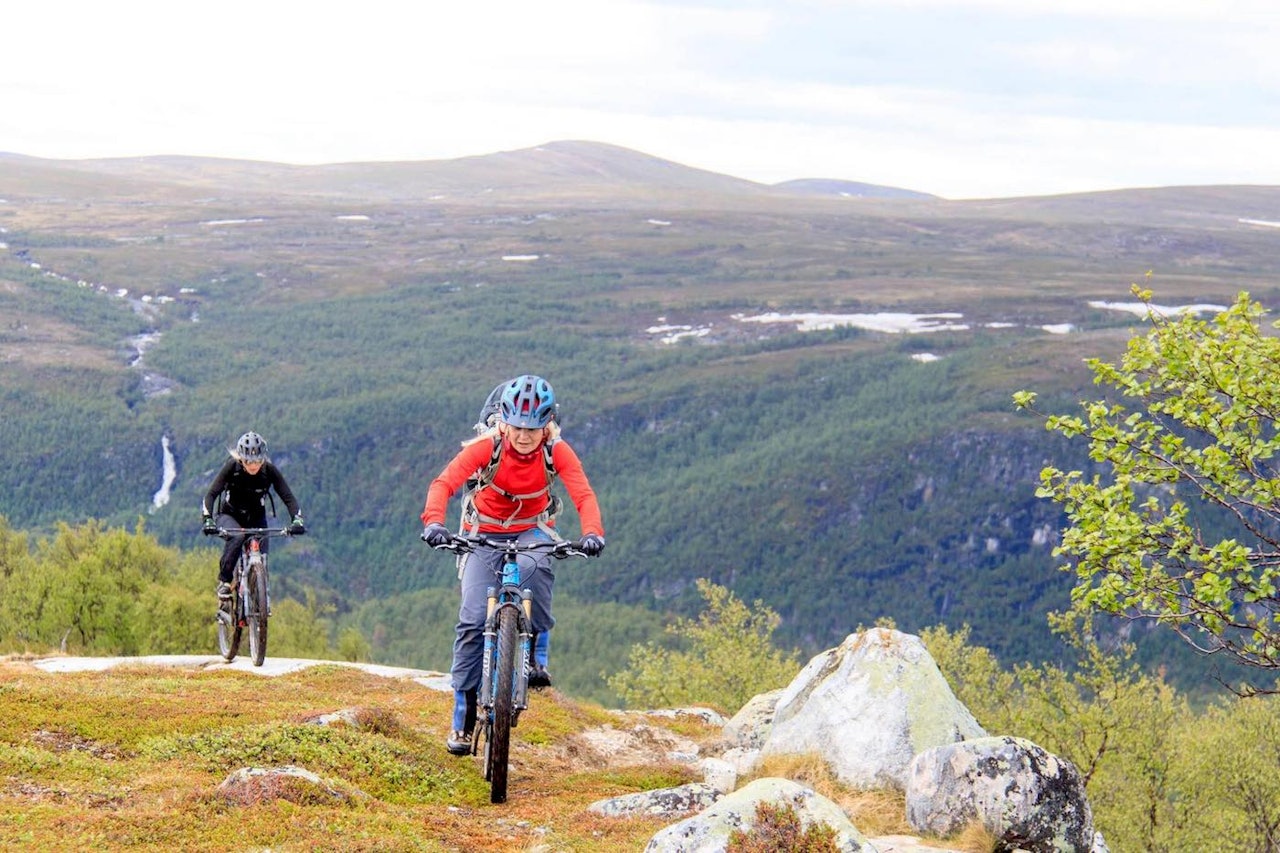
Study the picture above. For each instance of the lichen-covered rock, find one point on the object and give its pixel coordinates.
(748, 728)
(253, 785)
(719, 774)
(664, 802)
(709, 830)
(1027, 797)
(868, 707)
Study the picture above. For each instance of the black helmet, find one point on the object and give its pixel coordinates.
(251, 448)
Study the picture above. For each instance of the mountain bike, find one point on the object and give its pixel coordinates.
(249, 607)
(508, 637)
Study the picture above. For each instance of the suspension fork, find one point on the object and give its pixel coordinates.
(524, 622)
(250, 554)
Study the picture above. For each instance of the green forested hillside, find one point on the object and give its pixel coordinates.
(834, 475)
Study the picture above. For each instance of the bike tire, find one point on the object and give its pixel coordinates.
(228, 631)
(503, 704)
(230, 623)
(257, 615)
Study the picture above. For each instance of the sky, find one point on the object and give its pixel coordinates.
(959, 98)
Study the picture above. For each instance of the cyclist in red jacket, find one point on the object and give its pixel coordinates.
(511, 468)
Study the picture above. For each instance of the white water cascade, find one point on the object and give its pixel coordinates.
(170, 474)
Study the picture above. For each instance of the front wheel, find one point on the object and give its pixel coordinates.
(504, 675)
(228, 631)
(258, 612)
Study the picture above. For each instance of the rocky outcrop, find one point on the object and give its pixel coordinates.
(869, 706)
(1028, 798)
(880, 714)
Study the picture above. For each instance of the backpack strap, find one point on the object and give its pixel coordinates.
(472, 518)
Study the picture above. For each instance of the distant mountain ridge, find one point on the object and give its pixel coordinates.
(847, 189)
(569, 167)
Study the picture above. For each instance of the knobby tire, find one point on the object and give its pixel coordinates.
(503, 704)
(228, 619)
(228, 631)
(257, 615)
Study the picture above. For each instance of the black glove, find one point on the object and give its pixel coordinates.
(591, 545)
(296, 527)
(436, 534)
(210, 526)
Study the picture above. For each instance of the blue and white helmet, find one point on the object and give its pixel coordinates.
(528, 402)
(251, 448)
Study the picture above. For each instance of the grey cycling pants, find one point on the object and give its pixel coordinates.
(480, 571)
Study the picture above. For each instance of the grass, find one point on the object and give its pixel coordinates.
(135, 758)
(132, 758)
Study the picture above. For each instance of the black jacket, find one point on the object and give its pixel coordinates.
(244, 495)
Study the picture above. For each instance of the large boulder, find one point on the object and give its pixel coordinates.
(709, 831)
(869, 706)
(1028, 798)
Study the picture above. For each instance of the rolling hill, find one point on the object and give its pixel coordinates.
(803, 396)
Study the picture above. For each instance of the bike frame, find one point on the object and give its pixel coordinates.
(251, 557)
(511, 597)
(250, 606)
(504, 679)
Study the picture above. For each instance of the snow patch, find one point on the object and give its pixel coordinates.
(1143, 309)
(672, 332)
(216, 222)
(890, 322)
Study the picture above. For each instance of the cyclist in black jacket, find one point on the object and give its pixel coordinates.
(238, 494)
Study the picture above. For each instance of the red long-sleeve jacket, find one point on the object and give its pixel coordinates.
(517, 474)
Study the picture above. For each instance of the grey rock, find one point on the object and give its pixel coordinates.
(868, 707)
(1027, 797)
(664, 802)
(709, 831)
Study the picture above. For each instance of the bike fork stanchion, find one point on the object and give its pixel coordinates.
(521, 687)
(486, 664)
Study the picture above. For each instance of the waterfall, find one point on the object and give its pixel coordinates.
(170, 474)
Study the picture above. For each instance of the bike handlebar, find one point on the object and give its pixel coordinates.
(466, 543)
(228, 532)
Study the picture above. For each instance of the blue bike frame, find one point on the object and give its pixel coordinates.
(509, 595)
(508, 637)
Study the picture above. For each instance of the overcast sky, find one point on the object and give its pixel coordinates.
(960, 98)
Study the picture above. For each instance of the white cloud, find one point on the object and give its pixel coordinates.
(963, 98)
